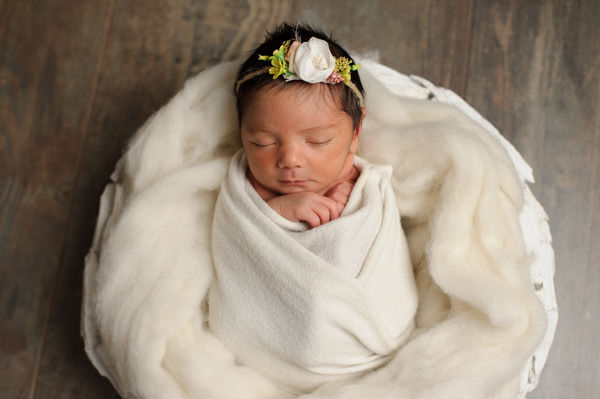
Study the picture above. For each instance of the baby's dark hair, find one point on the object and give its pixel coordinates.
(350, 102)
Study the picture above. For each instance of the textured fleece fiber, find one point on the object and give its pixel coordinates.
(147, 276)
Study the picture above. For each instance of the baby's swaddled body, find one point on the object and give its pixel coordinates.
(306, 306)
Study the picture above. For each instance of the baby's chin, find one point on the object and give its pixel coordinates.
(283, 189)
(267, 191)
(293, 188)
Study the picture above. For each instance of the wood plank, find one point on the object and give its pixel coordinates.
(47, 62)
(535, 74)
(426, 38)
(228, 30)
(145, 61)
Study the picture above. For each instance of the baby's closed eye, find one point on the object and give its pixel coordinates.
(319, 141)
(262, 143)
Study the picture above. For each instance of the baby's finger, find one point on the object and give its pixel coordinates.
(345, 187)
(312, 218)
(332, 207)
(322, 213)
(338, 196)
(340, 191)
(317, 213)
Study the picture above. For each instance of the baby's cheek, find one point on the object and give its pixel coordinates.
(257, 163)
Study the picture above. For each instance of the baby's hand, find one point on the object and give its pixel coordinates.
(341, 192)
(308, 207)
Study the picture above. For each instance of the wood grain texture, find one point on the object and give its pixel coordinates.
(145, 63)
(535, 74)
(427, 38)
(228, 30)
(47, 62)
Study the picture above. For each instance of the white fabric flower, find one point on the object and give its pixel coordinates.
(313, 62)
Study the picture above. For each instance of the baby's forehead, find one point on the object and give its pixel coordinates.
(286, 118)
(313, 100)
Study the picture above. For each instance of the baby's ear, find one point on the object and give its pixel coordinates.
(357, 133)
(358, 129)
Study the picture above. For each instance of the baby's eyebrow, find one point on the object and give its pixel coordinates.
(255, 130)
(310, 129)
(258, 130)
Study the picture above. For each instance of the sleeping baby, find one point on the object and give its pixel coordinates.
(313, 276)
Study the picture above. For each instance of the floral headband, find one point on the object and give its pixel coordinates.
(311, 62)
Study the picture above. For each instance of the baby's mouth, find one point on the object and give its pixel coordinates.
(292, 182)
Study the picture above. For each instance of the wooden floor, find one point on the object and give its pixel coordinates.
(78, 77)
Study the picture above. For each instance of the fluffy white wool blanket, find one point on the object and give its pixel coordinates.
(148, 274)
(309, 306)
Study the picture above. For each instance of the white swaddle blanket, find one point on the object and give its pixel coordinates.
(319, 303)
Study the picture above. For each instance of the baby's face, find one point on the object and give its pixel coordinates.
(298, 142)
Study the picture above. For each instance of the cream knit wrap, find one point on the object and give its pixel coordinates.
(309, 306)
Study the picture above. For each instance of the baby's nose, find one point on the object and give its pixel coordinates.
(290, 156)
